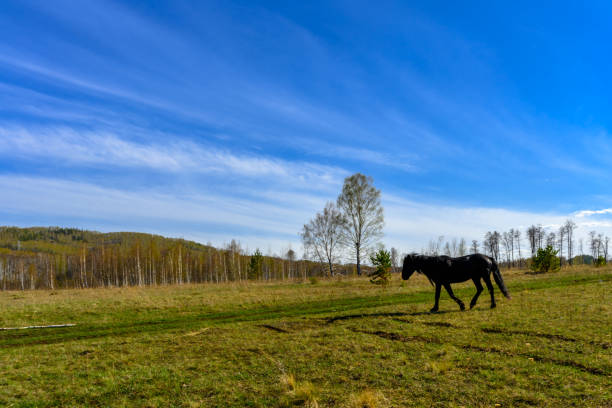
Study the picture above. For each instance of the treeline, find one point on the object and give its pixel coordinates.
(49, 258)
(513, 249)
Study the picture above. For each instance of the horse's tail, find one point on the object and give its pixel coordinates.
(500, 282)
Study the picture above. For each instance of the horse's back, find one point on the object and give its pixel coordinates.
(470, 266)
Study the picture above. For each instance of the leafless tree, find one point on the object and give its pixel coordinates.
(532, 236)
(593, 243)
(517, 240)
(474, 247)
(562, 230)
(462, 249)
(600, 245)
(570, 226)
(540, 235)
(454, 247)
(394, 259)
(322, 236)
(447, 249)
(364, 220)
(605, 247)
(506, 242)
(491, 244)
(438, 245)
(290, 256)
(551, 240)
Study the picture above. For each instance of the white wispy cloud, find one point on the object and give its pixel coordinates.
(60, 198)
(270, 218)
(171, 155)
(412, 224)
(587, 213)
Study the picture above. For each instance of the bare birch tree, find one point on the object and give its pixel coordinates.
(462, 249)
(562, 231)
(570, 226)
(517, 239)
(322, 236)
(363, 223)
(531, 235)
(394, 259)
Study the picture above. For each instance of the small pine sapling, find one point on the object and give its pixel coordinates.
(546, 260)
(382, 262)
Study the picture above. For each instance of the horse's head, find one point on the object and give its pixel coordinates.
(409, 266)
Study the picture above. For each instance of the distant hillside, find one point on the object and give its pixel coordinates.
(56, 240)
(52, 257)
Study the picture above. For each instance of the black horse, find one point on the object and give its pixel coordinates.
(444, 270)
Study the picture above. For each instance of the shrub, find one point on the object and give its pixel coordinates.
(382, 262)
(546, 260)
(600, 261)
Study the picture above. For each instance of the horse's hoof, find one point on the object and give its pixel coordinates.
(493, 306)
(462, 307)
(434, 310)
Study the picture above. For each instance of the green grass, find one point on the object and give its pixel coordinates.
(332, 343)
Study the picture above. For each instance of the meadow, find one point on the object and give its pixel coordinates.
(341, 342)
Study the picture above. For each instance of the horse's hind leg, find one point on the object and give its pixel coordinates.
(487, 280)
(435, 308)
(478, 292)
(447, 286)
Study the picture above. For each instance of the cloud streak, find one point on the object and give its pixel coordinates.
(412, 224)
(171, 155)
(264, 218)
(588, 213)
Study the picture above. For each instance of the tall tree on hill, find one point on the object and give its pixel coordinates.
(360, 204)
(474, 247)
(322, 236)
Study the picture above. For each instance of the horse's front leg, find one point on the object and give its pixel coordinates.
(447, 286)
(435, 308)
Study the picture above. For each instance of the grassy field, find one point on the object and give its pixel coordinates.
(331, 343)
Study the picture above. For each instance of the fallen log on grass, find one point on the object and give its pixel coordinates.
(51, 326)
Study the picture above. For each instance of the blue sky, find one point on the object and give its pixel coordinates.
(221, 120)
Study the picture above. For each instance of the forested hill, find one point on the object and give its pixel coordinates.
(53, 257)
(57, 240)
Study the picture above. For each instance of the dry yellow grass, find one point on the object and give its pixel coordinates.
(334, 343)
